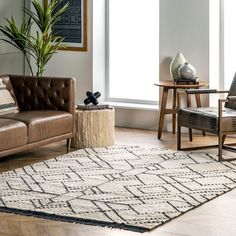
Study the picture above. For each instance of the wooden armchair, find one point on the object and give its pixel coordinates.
(220, 121)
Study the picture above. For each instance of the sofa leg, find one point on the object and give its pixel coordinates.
(68, 143)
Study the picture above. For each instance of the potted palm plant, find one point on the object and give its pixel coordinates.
(43, 44)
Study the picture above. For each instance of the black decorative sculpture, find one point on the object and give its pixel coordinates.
(92, 98)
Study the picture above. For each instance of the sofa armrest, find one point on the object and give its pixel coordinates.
(45, 93)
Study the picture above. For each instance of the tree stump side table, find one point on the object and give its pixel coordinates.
(94, 127)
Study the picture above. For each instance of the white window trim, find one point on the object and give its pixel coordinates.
(221, 59)
(219, 20)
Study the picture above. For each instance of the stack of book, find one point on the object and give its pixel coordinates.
(93, 107)
(181, 80)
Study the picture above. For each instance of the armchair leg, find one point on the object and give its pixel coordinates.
(224, 137)
(190, 135)
(68, 143)
(179, 138)
(225, 147)
(189, 105)
(220, 147)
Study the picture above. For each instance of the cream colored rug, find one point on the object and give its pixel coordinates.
(133, 188)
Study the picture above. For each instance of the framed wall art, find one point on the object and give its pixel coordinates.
(73, 25)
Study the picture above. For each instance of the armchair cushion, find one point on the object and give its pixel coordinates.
(43, 124)
(206, 118)
(220, 121)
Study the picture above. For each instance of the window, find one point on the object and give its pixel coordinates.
(214, 47)
(133, 51)
(228, 41)
(222, 45)
(222, 42)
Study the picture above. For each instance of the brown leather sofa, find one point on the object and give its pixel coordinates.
(45, 113)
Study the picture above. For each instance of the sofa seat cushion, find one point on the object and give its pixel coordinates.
(13, 134)
(44, 124)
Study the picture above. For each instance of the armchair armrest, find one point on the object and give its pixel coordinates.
(46, 93)
(221, 102)
(204, 91)
(220, 108)
(231, 98)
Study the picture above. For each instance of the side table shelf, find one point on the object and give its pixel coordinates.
(94, 128)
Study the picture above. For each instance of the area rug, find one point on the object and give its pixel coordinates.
(133, 188)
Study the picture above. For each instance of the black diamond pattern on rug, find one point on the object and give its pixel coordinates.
(133, 188)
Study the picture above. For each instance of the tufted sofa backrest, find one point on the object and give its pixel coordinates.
(44, 93)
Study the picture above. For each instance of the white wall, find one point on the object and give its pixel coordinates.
(11, 60)
(99, 47)
(76, 64)
(184, 27)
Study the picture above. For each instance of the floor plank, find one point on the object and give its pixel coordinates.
(215, 218)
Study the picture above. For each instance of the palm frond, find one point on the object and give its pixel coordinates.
(43, 45)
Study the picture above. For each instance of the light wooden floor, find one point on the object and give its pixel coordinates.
(215, 218)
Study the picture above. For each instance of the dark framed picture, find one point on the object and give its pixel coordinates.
(73, 25)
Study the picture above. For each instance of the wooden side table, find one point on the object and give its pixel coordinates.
(169, 84)
(94, 128)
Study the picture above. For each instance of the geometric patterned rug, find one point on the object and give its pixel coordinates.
(133, 188)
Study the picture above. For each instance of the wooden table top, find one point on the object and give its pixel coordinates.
(171, 84)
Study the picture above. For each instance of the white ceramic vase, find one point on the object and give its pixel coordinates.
(175, 64)
(187, 71)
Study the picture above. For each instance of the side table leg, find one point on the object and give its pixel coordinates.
(174, 114)
(162, 111)
(198, 101)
